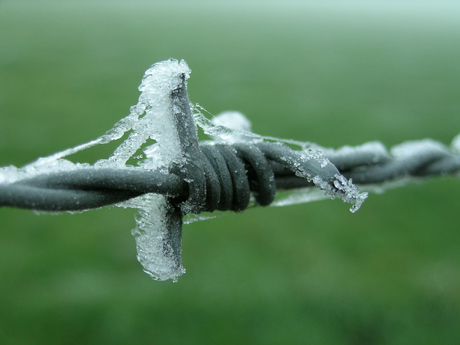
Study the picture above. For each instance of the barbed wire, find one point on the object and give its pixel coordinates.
(215, 175)
(226, 175)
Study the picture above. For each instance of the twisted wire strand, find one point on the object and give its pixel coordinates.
(225, 176)
(371, 163)
(210, 176)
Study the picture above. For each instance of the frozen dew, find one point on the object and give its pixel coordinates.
(192, 218)
(311, 165)
(414, 148)
(9, 174)
(298, 196)
(348, 192)
(151, 118)
(158, 238)
(158, 230)
(347, 156)
(456, 144)
(235, 127)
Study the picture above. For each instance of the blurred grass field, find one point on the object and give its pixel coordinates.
(332, 73)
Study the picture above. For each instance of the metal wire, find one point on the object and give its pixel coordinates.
(224, 176)
(220, 176)
(231, 173)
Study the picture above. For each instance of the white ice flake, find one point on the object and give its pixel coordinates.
(298, 196)
(235, 127)
(158, 238)
(8, 174)
(456, 144)
(414, 148)
(157, 233)
(151, 117)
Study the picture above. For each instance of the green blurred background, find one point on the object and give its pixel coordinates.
(335, 73)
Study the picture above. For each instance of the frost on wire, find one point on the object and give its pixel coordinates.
(158, 224)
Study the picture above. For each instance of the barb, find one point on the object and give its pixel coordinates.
(181, 175)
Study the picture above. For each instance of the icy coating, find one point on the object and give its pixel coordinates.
(233, 126)
(150, 118)
(456, 144)
(158, 225)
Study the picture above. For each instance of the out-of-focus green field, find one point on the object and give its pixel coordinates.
(332, 73)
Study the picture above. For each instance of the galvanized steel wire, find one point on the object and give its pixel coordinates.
(229, 175)
(220, 176)
(216, 175)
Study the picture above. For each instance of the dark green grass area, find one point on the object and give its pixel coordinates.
(333, 74)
